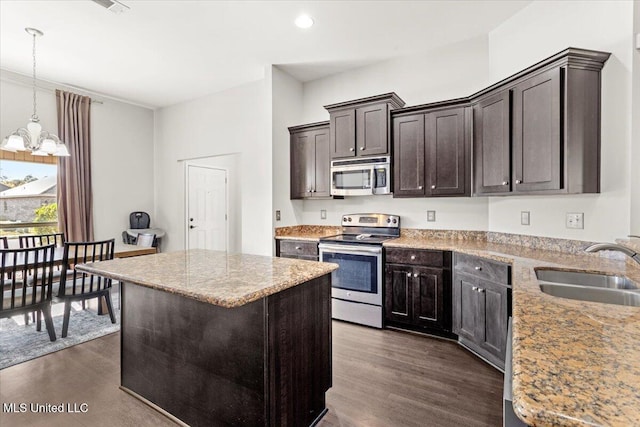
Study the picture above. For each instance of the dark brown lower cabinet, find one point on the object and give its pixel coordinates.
(266, 363)
(298, 249)
(418, 298)
(481, 310)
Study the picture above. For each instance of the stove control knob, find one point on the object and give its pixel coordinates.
(395, 220)
(349, 219)
(388, 219)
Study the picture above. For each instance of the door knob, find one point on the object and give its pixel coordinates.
(413, 257)
(190, 219)
(505, 182)
(361, 148)
(433, 187)
(416, 274)
(408, 274)
(192, 226)
(419, 187)
(518, 181)
(351, 149)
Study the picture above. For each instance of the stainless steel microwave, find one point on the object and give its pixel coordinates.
(361, 177)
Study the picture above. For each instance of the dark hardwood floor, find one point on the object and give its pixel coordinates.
(380, 378)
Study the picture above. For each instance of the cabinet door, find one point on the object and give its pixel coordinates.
(343, 133)
(409, 158)
(492, 142)
(428, 295)
(299, 164)
(397, 299)
(537, 149)
(445, 146)
(493, 313)
(322, 164)
(371, 130)
(465, 306)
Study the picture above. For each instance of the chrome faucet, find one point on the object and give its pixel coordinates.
(614, 247)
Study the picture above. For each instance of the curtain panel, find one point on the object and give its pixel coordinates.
(75, 199)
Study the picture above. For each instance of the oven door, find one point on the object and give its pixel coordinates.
(359, 277)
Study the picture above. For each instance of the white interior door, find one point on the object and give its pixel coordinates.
(206, 208)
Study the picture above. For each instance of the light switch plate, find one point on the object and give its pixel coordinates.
(431, 216)
(525, 217)
(277, 215)
(575, 220)
(323, 214)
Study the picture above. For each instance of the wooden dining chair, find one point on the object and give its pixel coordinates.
(35, 240)
(145, 240)
(79, 286)
(19, 297)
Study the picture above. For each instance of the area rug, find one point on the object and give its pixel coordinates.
(20, 342)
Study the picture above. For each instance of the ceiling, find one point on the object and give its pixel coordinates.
(161, 53)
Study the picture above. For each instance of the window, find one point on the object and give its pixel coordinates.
(28, 194)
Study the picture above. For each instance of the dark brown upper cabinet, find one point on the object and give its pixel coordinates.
(361, 127)
(538, 131)
(431, 152)
(310, 162)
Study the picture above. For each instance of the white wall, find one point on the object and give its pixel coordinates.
(235, 121)
(451, 72)
(287, 111)
(635, 132)
(121, 151)
(534, 33)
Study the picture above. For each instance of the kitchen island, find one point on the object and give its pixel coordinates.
(217, 339)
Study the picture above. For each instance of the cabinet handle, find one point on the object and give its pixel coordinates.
(474, 288)
(416, 274)
(433, 187)
(481, 290)
(351, 149)
(361, 148)
(408, 274)
(413, 257)
(298, 248)
(505, 182)
(419, 187)
(478, 268)
(518, 181)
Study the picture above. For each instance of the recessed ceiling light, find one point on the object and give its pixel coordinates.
(304, 21)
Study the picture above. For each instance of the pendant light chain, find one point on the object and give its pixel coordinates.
(34, 117)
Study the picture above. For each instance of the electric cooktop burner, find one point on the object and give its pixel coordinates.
(372, 229)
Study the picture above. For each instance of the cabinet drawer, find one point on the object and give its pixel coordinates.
(415, 257)
(490, 270)
(298, 247)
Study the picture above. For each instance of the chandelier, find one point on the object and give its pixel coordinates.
(33, 138)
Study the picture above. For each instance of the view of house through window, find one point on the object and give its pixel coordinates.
(28, 198)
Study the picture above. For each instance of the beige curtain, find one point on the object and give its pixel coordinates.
(75, 200)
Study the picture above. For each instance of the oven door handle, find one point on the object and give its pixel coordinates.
(343, 249)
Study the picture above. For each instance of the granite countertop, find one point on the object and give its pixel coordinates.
(575, 363)
(214, 277)
(311, 233)
(632, 243)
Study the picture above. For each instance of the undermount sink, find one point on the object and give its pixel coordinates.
(585, 279)
(594, 287)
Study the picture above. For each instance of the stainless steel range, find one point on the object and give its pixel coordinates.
(357, 285)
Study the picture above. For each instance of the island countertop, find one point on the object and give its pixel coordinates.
(214, 277)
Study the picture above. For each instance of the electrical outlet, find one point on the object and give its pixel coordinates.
(575, 220)
(525, 217)
(323, 214)
(277, 215)
(431, 216)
